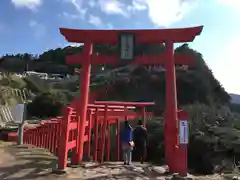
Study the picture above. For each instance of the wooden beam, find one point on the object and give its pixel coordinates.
(145, 59)
(119, 103)
(110, 107)
(152, 36)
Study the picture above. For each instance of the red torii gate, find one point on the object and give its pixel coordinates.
(168, 58)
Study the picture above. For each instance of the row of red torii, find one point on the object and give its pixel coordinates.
(175, 144)
(101, 116)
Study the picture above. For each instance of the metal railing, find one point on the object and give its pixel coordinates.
(5, 116)
(7, 111)
(21, 94)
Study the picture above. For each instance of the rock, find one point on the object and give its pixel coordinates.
(161, 178)
(138, 169)
(59, 171)
(236, 178)
(179, 177)
(90, 164)
(159, 169)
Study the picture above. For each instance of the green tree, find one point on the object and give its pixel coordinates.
(46, 104)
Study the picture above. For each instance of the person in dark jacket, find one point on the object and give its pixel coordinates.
(140, 140)
(126, 139)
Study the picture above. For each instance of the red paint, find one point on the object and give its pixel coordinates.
(122, 113)
(97, 59)
(64, 136)
(101, 105)
(100, 140)
(152, 36)
(119, 103)
(83, 101)
(95, 154)
(108, 148)
(103, 135)
(117, 140)
(171, 108)
(89, 133)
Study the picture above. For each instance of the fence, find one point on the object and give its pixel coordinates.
(5, 116)
(11, 114)
(60, 135)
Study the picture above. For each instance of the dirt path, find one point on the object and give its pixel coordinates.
(22, 162)
(27, 163)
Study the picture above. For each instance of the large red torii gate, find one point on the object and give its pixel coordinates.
(168, 58)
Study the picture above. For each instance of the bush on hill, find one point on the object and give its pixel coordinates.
(46, 104)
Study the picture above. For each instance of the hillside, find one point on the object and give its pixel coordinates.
(131, 83)
(144, 83)
(215, 128)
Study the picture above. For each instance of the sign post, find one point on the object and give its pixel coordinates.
(183, 131)
(182, 152)
(126, 46)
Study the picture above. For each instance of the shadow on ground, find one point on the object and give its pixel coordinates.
(27, 163)
(23, 162)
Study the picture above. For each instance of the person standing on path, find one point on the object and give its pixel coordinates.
(140, 140)
(127, 143)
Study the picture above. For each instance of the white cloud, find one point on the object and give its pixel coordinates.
(74, 44)
(160, 12)
(39, 29)
(95, 20)
(70, 44)
(138, 5)
(165, 12)
(69, 16)
(30, 4)
(230, 2)
(78, 5)
(226, 65)
(113, 7)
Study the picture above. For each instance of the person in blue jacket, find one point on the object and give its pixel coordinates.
(127, 143)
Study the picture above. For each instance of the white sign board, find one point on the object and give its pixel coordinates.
(126, 46)
(183, 132)
(17, 113)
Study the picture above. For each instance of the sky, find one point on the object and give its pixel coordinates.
(32, 26)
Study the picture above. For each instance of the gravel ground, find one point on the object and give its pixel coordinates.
(25, 163)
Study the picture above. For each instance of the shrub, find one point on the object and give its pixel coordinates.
(46, 104)
(35, 84)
